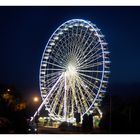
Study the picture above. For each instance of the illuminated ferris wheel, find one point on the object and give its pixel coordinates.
(74, 70)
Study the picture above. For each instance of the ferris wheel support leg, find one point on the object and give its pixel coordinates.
(65, 100)
(40, 107)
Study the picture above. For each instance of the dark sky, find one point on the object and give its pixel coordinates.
(24, 32)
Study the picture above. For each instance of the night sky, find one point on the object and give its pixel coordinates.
(24, 32)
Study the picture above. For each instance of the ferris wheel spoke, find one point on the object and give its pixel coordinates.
(84, 99)
(62, 52)
(87, 39)
(51, 81)
(92, 49)
(58, 57)
(88, 84)
(65, 96)
(57, 61)
(70, 45)
(70, 42)
(80, 39)
(91, 59)
(64, 41)
(80, 105)
(55, 77)
(57, 51)
(89, 45)
(60, 108)
(53, 74)
(57, 89)
(50, 85)
(73, 88)
(76, 47)
(82, 59)
(91, 65)
(86, 88)
(51, 97)
(67, 41)
(78, 50)
(52, 69)
(73, 44)
(72, 105)
(79, 100)
(56, 99)
(95, 57)
(89, 76)
(55, 65)
(80, 55)
(92, 46)
(84, 35)
(89, 71)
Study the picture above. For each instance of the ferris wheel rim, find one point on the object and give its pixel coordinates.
(103, 71)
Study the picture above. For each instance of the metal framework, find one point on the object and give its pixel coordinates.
(74, 70)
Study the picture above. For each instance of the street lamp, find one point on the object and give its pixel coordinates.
(8, 90)
(35, 99)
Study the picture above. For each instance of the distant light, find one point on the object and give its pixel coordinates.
(8, 89)
(36, 99)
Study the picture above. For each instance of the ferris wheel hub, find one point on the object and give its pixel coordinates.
(71, 70)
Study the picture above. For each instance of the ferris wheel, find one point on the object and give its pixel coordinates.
(74, 70)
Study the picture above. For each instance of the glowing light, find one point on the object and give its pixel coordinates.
(36, 99)
(8, 90)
